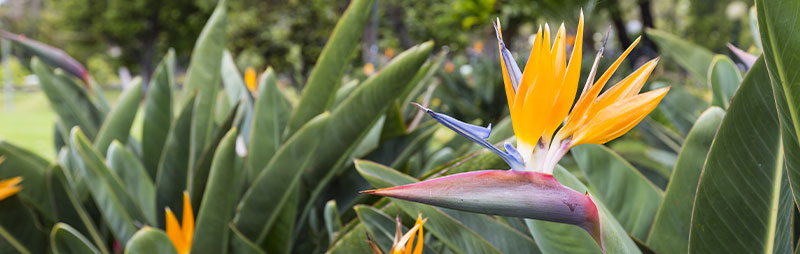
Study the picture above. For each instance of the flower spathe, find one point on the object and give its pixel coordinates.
(404, 243)
(181, 235)
(540, 101)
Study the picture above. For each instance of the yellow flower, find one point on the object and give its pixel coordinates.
(181, 237)
(9, 186)
(540, 99)
(368, 69)
(250, 80)
(477, 47)
(405, 244)
(388, 52)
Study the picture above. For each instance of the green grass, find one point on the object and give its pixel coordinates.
(30, 123)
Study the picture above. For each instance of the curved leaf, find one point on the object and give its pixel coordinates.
(131, 172)
(740, 194)
(150, 240)
(174, 164)
(117, 125)
(158, 113)
(271, 190)
(724, 78)
(270, 113)
(619, 185)
(778, 22)
(33, 170)
(241, 245)
(70, 101)
(203, 78)
(325, 78)
(211, 230)
(69, 209)
(670, 231)
(65, 239)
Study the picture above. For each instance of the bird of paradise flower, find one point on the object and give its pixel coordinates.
(539, 100)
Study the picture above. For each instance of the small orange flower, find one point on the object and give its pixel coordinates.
(477, 47)
(405, 244)
(250, 79)
(369, 69)
(181, 236)
(9, 186)
(388, 52)
(449, 67)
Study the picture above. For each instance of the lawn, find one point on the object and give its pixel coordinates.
(29, 123)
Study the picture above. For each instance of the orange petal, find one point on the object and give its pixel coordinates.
(522, 121)
(542, 95)
(628, 87)
(581, 112)
(174, 232)
(8, 191)
(10, 182)
(420, 238)
(619, 118)
(250, 79)
(188, 219)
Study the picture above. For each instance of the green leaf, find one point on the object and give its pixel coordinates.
(778, 23)
(130, 170)
(260, 206)
(65, 239)
(173, 168)
(360, 111)
(33, 170)
(462, 232)
(232, 81)
(670, 231)
(325, 78)
(695, 59)
(421, 79)
(333, 222)
(681, 106)
(150, 240)
(197, 177)
(117, 125)
(563, 238)
(240, 244)
(70, 101)
(354, 241)
(119, 210)
(20, 229)
(158, 113)
(724, 78)
(203, 78)
(216, 210)
(69, 209)
(279, 238)
(270, 113)
(619, 185)
(740, 194)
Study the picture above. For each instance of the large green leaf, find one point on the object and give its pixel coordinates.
(70, 210)
(695, 59)
(270, 113)
(124, 163)
(211, 231)
(108, 191)
(203, 78)
(740, 194)
(197, 177)
(778, 22)
(462, 232)
(618, 185)
(65, 239)
(158, 113)
(361, 110)
(70, 101)
(240, 244)
(724, 79)
(563, 238)
(681, 106)
(260, 206)
(150, 240)
(325, 78)
(174, 164)
(33, 170)
(232, 81)
(354, 241)
(670, 231)
(117, 125)
(20, 229)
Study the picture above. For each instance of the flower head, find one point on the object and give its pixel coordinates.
(181, 236)
(9, 186)
(404, 243)
(250, 80)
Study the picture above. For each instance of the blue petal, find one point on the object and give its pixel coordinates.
(512, 151)
(478, 135)
(508, 60)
